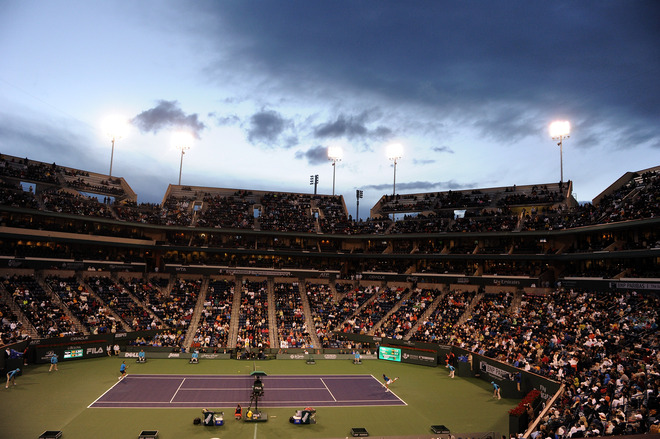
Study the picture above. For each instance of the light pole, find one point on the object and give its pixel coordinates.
(358, 194)
(182, 140)
(560, 130)
(394, 153)
(314, 181)
(115, 128)
(335, 153)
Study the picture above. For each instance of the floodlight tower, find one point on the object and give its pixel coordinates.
(182, 140)
(359, 193)
(115, 127)
(335, 153)
(314, 181)
(560, 130)
(394, 153)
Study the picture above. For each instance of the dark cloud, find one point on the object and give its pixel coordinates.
(443, 149)
(167, 114)
(342, 127)
(421, 186)
(351, 127)
(231, 119)
(314, 156)
(266, 127)
(505, 68)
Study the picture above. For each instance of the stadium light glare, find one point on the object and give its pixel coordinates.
(394, 153)
(335, 153)
(560, 130)
(182, 140)
(115, 127)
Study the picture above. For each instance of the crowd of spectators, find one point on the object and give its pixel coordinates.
(47, 318)
(292, 328)
(176, 211)
(11, 328)
(29, 170)
(537, 195)
(329, 312)
(484, 221)
(382, 301)
(438, 327)
(221, 211)
(603, 345)
(213, 328)
(287, 213)
(75, 204)
(179, 307)
(82, 182)
(407, 313)
(13, 195)
(253, 324)
(94, 317)
(422, 223)
(145, 213)
(174, 311)
(486, 210)
(121, 302)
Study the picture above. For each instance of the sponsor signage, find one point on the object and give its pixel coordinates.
(417, 357)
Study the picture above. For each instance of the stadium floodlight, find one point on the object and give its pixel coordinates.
(314, 181)
(114, 127)
(335, 153)
(394, 153)
(359, 193)
(560, 130)
(182, 140)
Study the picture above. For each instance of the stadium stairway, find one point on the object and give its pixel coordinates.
(6, 298)
(394, 309)
(194, 321)
(272, 319)
(92, 292)
(39, 277)
(141, 304)
(424, 317)
(235, 312)
(468, 311)
(307, 312)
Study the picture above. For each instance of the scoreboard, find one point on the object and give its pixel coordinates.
(388, 353)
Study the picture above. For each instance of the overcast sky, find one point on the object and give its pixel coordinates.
(468, 88)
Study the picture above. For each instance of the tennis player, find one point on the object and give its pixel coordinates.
(388, 381)
(122, 370)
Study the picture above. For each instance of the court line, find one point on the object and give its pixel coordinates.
(322, 378)
(244, 377)
(333, 396)
(233, 402)
(111, 387)
(177, 390)
(220, 389)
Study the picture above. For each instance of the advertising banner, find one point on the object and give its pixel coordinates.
(70, 348)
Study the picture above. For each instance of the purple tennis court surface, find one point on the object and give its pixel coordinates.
(199, 391)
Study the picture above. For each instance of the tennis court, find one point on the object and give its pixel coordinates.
(198, 391)
(73, 399)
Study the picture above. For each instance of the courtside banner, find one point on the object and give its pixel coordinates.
(70, 348)
(423, 357)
